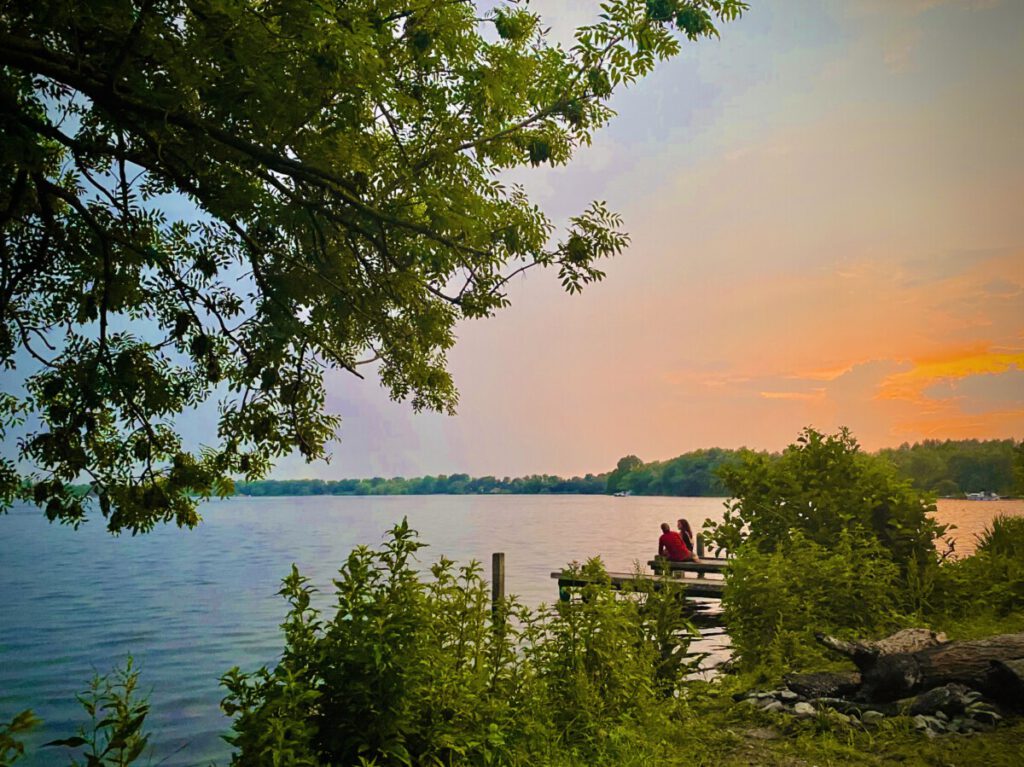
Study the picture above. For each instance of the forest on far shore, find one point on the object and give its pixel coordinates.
(949, 468)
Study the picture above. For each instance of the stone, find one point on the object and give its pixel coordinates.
(773, 706)
(872, 717)
(788, 695)
(950, 699)
(762, 733)
(803, 709)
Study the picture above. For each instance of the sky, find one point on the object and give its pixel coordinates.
(827, 217)
(826, 210)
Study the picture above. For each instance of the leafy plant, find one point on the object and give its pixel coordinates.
(11, 746)
(824, 538)
(992, 579)
(341, 159)
(775, 601)
(821, 486)
(115, 737)
(424, 671)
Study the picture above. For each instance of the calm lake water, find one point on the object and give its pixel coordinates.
(189, 605)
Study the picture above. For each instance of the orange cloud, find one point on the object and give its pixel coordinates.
(911, 384)
(814, 394)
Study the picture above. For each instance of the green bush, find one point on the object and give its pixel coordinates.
(821, 486)
(824, 538)
(776, 601)
(991, 580)
(414, 671)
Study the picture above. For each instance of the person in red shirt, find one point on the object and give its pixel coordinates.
(671, 546)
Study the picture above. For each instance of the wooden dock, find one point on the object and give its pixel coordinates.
(699, 586)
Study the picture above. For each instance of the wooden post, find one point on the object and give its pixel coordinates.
(497, 583)
(700, 545)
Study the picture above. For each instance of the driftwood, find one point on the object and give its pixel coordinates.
(824, 684)
(917, 660)
(1009, 674)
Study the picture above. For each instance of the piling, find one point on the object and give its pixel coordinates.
(497, 583)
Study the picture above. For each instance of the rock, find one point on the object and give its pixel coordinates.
(787, 695)
(950, 699)
(803, 709)
(773, 706)
(872, 717)
(855, 708)
(985, 715)
(762, 733)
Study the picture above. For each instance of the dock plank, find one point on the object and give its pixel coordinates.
(694, 587)
(709, 565)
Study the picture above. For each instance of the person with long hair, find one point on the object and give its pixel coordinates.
(687, 535)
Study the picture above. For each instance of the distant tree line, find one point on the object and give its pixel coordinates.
(454, 484)
(947, 468)
(953, 468)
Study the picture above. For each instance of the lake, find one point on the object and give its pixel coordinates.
(189, 605)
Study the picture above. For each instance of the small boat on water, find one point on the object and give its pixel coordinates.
(623, 494)
(982, 496)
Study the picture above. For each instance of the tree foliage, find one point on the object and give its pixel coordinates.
(822, 520)
(443, 484)
(822, 486)
(342, 162)
(776, 600)
(955, 467)
(693, 474)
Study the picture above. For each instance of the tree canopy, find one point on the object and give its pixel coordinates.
(342, 162)
(820, 487)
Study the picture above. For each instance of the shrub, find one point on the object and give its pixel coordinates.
(776, 601)
(422, 672)
(825, 538)
(821, 486)
(990, 580)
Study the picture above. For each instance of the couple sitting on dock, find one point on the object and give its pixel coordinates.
(677, 546)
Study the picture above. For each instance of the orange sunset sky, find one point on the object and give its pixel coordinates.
(827, 219)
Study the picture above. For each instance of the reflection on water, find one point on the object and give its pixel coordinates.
(191, 604)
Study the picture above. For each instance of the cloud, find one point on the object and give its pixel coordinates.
(911, 385)
(982, 393)
(811, 396)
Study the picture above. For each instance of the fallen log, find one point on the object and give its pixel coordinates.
(889, 671)
(1010, 675)
(823, 684)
